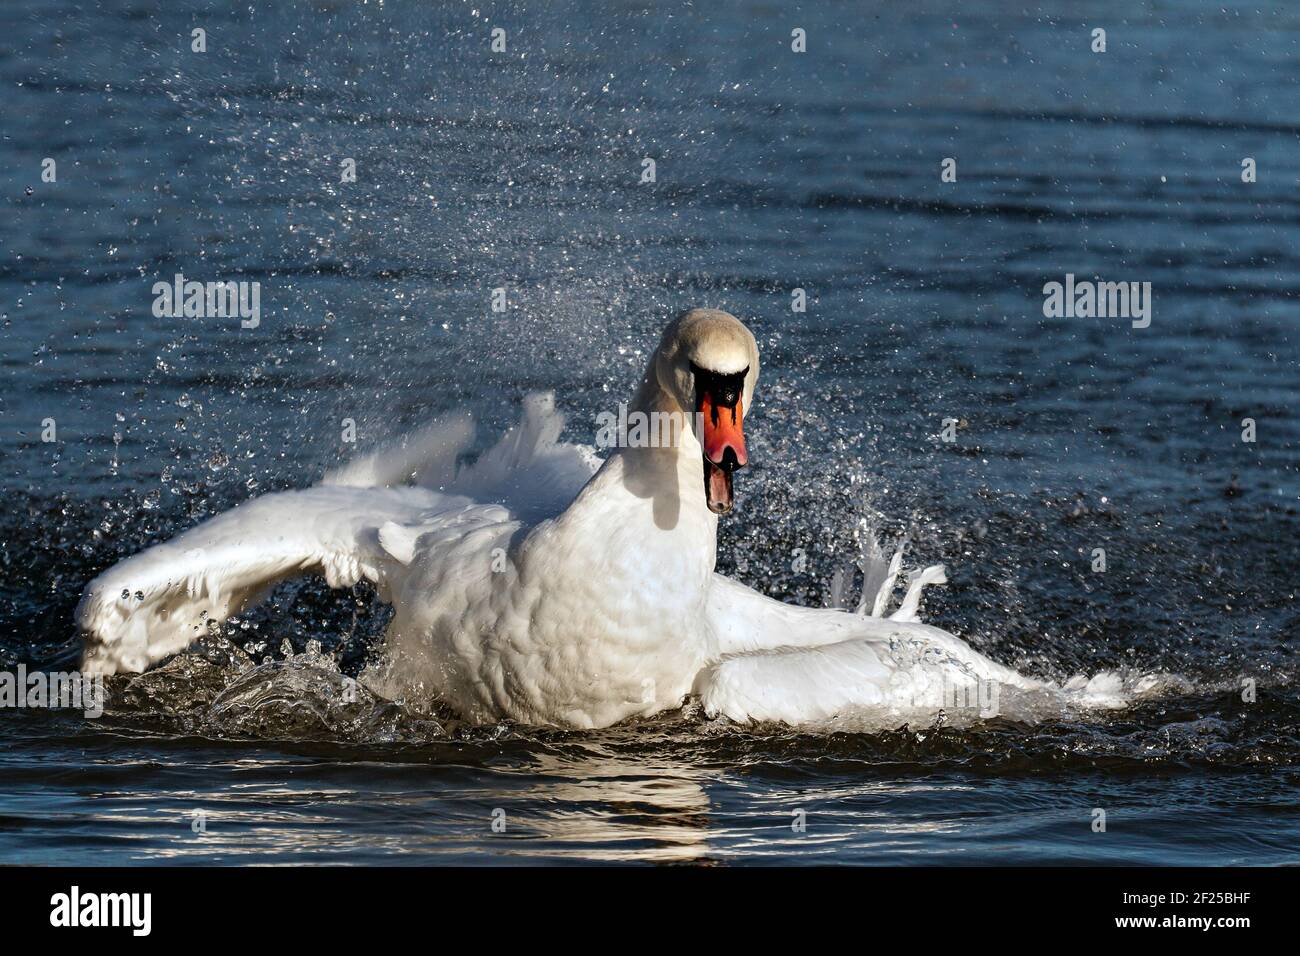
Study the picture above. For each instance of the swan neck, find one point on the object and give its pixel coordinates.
(668, 427)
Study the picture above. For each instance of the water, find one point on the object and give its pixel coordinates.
(774, 170)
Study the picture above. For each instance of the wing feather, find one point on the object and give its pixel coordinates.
(361, 521)
(156, 602)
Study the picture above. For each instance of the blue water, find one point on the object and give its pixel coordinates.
(774, 171)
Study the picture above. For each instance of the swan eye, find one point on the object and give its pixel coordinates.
(724, 390)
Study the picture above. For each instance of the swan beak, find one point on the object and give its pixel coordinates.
(723, 440)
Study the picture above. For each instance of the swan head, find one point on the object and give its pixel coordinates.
(708, 361)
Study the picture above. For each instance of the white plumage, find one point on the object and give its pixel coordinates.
(541, 585)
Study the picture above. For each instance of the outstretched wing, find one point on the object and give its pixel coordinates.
(156, 602)
(362, 521)
(781, 662)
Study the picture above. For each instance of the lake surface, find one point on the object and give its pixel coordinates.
(774, 171)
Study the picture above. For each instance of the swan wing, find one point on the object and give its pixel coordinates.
(155, 603)
(741, 620)
(913, 670)
(361, 521)
(426, 458)
(781, 662)
(529, 470)
(795, 685)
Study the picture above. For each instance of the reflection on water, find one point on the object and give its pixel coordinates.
(590, 805)
(665, 791)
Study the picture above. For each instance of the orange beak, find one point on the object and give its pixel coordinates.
(723, 439)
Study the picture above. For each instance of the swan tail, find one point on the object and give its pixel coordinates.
(157, 602)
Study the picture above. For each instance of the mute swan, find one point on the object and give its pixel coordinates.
(542, 586)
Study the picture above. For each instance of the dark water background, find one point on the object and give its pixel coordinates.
(775, 170)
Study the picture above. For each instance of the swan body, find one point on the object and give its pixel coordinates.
(543, 586)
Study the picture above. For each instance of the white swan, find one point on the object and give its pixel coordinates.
(536, 586)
